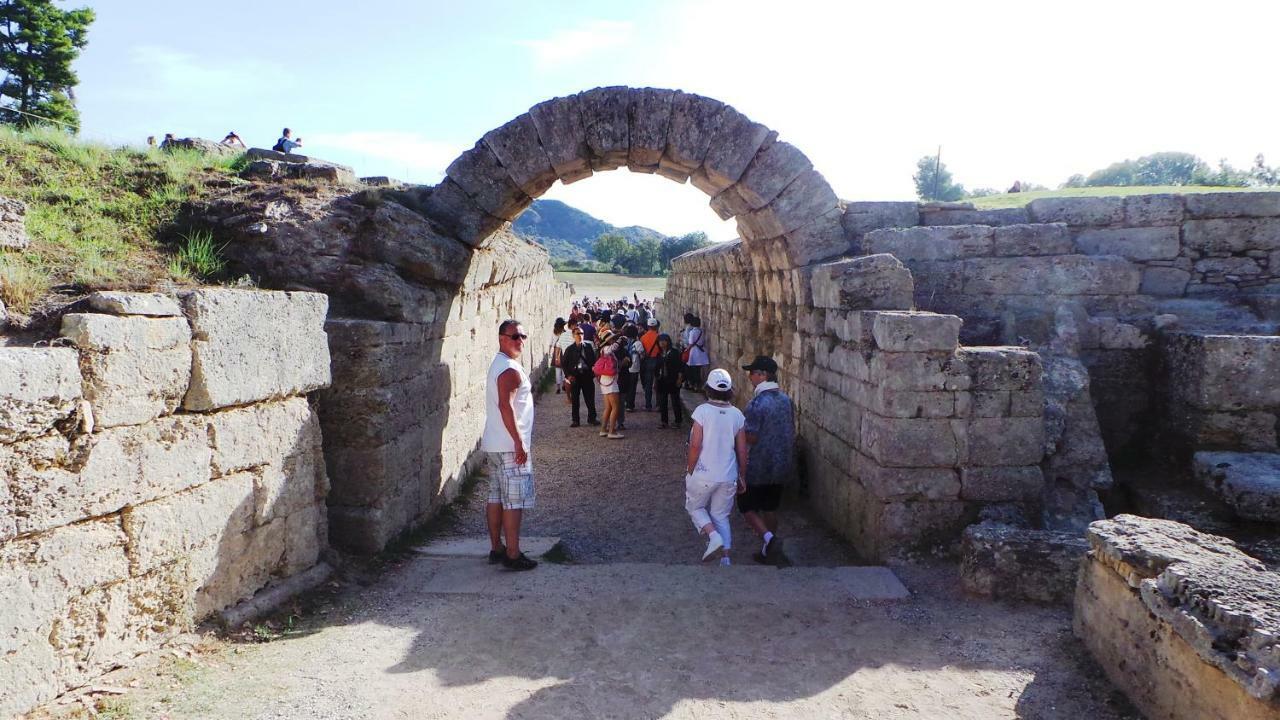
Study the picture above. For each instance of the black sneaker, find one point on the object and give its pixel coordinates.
(593, 422)
(574, 424)
(522, 562)
(496, 556)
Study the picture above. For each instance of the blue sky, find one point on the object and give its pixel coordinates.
(1011, 90)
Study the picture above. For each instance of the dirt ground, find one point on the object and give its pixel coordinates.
(393, 641)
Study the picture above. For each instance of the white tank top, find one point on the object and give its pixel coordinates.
(495, 437)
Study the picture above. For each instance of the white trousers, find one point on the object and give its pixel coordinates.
(710, 502)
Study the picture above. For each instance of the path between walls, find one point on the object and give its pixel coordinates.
(635, 627)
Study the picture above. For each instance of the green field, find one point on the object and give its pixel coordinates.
(1005, 200)
(609, 286)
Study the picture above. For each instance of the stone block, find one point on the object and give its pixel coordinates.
(13, 224)
(252, 345)
(899, 483)
(1228, 266)
(135, 303)
(862, 217)
(1232, 204)
(517, 148)
(563, 137)
(134, 368)
(910, 331)
(732, 148)
(483, 178)
(971, 216)
(170, 528)
(649, 116)
(914, 442)
(902, 526)
(419, 254)
(1052, 275)
(1001, 484)
(816, 241)
(801, 203)
(1248, 482)
(1014, 563)
(911, 404)
(1236, 235)
(1005, 441)
(948, 242)
(1153, 210)
(922, 372)
(455, 211)
(39, 387)
(863, 283)
(694, 121)
(1039, 239)
(1078, 211)
(57, 482)
(769, 172)
(1001, 368)
(261, 434)
(1225, 372)
(1134, 243)
(604, 119)
(1164, 281)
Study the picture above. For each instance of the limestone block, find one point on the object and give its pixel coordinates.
(604, 119)
(1225, 372)
(1052, 274)
(924, 372)
(801, 203)
(1248, 482)
(261, 434)
(57, 482)
(252, 345)
(39, 387)
(1078, 211)
(13, 224)
(1228, 266)
(970, 216)
(1164, 281)
(1134, 243)
(937, 277)
(1231, 235)
(1001, 368)
(862, 217)
(818, 240)
(1254, 431)
(915, 442)
(416, 251)
(1005, 441)
(1014, 563)
(769, 172)
(863, 283)
(899, 483)
(900, 526)
(306, 536)
(1038, 239)
(135, 303)
(134, 368)
(1001, 484)
(887, 402)
(947, 242)
(1153, 210)
(1232, 204)
(461, 216)
(517, 148)
(909, 331)
(732, 148)
(694, 121)
(649, 117)
(207, 524)
(563, 137)
(483, 178)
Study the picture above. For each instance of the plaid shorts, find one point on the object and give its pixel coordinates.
(509, 483)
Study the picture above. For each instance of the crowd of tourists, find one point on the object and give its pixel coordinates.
(620, 350)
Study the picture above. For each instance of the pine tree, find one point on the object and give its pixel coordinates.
(933, 180)
(38, 43)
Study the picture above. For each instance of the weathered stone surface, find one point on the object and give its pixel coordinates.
(1078, 211)
(947, 242)
(816, 241)
(1015, 563)
(176, 526)
(1153, 210)
(1005, 441)
(563, 137)
(1224, 372)
(1228, 266)
(769, 172)
(649, 117)
(898, 483)
(1051, 274)
(1001, 484)
(135, 303)
(1233, 204)
(694, 121)
(604, 120)
(732, 148)
(801, 203)
(872, 282)
(862, 217)
(262, 434)
(39, 387)
(13, 224)
(1232, 235)
(1038, 239)
(134, 368)
(483, 178)
(971, 216)
(252, 345)
(1001, 368)
(517, 147)
(1164, 281)
(1248, 482)
(915, 442)
(910, 331)
(462, 216)
(1136, 243)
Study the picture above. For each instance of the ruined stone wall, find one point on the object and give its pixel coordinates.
(905, 435)
(161, 463)
(406, 409)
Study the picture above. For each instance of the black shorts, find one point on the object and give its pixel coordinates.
(760, 498)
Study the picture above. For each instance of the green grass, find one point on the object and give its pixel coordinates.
(1014, 200)
(94, 213)
(610, 286)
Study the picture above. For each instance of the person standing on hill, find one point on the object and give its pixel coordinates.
(771, 435)
(508, 440)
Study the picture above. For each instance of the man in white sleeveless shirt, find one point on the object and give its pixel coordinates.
(507, 439)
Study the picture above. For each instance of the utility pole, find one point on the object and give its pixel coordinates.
(937, 169)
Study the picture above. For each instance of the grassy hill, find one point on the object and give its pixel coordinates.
(95, 215)
(568, 233)
(1006, 200)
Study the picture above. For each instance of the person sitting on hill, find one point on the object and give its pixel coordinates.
(286, 143)
(232, 140)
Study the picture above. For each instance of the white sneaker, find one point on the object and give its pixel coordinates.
(714, 543)
(724, 562)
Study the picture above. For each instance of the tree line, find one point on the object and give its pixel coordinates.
(647, 256)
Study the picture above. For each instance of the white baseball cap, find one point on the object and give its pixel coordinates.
(719, 379)
(653, 322)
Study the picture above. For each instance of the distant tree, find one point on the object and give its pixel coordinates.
(1075, 181)
(610, 248)
(1262, 174)
(641, 257)
(982, 192)
(1163, 168)
(933, 181)
(38, 43)
(1224, 176)
(674, 247)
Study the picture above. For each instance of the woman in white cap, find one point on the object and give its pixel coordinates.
(716, 466)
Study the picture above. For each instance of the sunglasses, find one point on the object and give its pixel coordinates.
(517, 336)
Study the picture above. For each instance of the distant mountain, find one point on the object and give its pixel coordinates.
(568, 232)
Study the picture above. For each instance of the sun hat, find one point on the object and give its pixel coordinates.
(719, 379)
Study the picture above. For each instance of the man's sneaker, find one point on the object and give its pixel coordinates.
(497, 556)
(522, 562)
(573, 424)
(616, 436)
(774, 554)
(714, 543)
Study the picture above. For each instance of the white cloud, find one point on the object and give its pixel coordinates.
(409, 156)
(570, 45)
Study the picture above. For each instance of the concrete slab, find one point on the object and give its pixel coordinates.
(672, 583)
(479, 547)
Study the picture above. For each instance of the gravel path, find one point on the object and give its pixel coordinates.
(623, 500)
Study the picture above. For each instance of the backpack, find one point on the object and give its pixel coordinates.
(606, 364)
(279, 146)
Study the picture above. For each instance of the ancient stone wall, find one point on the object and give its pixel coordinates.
(161, 463)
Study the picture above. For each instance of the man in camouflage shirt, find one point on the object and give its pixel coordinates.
(771, 438)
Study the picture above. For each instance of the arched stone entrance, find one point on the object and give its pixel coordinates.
(768, 186)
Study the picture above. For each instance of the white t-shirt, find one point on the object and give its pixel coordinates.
(697, 348)
(718, 461)
(495, 437)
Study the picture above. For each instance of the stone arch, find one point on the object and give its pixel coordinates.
(768, 186)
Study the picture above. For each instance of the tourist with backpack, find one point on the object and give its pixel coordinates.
(649, 342)
(286, 143)
(666, 381)
(716, 464)
(631, 371)
(606, 372)
(696, 358)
